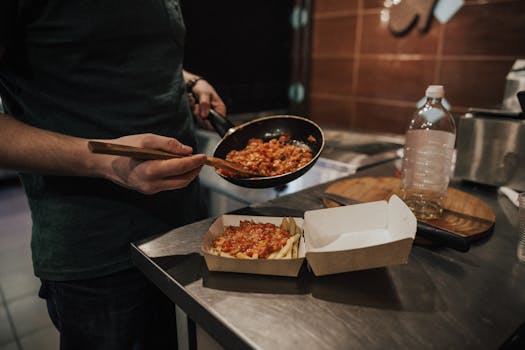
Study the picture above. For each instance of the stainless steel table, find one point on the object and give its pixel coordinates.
(441, 299)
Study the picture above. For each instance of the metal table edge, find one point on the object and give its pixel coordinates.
(218, 329)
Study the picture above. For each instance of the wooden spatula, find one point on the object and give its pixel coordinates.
(155, 154)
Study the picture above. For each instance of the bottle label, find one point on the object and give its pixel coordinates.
(427, 160)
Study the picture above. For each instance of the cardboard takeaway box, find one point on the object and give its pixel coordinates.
(335, 240)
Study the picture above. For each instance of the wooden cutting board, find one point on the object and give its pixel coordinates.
(464, 214)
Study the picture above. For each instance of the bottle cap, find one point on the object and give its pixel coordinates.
(435, 91)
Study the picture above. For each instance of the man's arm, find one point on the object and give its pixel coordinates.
(26, 148)
(29, 149)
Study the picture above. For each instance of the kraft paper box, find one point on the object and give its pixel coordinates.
(335, 240)
(278, 267)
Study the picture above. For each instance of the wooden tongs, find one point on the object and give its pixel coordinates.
(155, 154)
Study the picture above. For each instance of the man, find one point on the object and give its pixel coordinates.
(74, 70)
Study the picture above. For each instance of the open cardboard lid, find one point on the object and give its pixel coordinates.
(359, 236)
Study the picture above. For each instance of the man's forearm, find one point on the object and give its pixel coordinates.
(29, 149)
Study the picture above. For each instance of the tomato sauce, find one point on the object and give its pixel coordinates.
(275, 157)
(252, 238)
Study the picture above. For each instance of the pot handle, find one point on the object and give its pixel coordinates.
(219, 122)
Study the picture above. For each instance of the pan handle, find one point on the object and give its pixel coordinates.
(219, 122)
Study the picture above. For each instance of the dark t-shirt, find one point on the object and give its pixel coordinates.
(96, 69)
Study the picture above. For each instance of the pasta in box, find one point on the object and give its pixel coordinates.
(335, 240)
(255, 244)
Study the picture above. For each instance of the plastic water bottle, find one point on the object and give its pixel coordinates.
(427, 156)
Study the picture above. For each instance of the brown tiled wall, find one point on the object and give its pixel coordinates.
(365, 78)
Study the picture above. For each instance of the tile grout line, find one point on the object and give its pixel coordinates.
(10, 319)
(356, 62)
(439, 54)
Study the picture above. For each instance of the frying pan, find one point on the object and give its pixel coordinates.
(301, 131)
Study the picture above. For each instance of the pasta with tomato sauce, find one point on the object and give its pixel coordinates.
(275, 157)
(251, 240)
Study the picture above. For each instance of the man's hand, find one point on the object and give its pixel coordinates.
(203, 97)
(153, 176)
(207, 98)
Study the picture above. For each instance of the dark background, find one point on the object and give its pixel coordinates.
(243, 48)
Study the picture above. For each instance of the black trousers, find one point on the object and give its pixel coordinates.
(121, 311)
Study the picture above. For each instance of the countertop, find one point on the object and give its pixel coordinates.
(441, 299)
